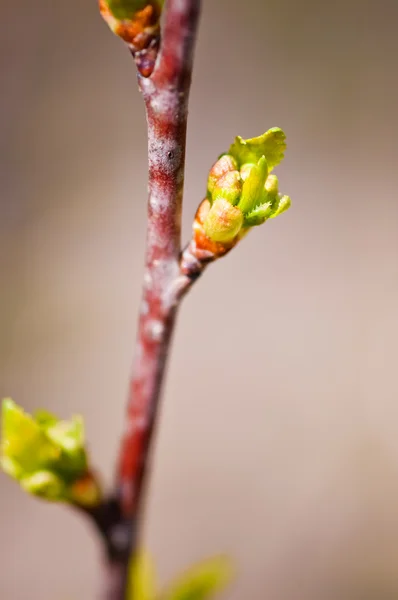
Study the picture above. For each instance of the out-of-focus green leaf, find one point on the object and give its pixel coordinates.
(142, 578)
(24, 441)
(201, 581)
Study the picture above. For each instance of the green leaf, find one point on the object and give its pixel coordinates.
(201, 581)
(142, 578)
(253, 187)
(283, 204)
(259, 215)
(272, 145)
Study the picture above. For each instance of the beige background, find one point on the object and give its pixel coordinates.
(278, 441)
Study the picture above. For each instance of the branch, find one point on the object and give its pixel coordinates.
(165, 93)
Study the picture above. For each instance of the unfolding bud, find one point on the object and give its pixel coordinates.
(223, 222)
(47, 456)
(241, 193)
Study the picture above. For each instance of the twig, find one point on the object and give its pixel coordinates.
(165, 93)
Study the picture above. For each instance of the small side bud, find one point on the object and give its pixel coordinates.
(224, 164)
(223, 221)
(85, 491)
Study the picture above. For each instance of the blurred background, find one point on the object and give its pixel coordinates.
(278, 438)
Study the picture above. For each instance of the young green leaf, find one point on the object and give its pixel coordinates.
(282, 205)
(272, 145)
(253, 187)
(259, 215)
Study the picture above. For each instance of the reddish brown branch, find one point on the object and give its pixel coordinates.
(166, 99)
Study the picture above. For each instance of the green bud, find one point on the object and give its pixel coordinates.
(241, 192)
(224, 164)
(228, 186)
(253, 187)
(223, 221)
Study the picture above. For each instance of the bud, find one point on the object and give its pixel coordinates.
(245, 170)
(272, 186)
(241, 193)
(224, 164)
(47, 456)
(135, 21)
(223, 221)
(228, 186)
(85, 491)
